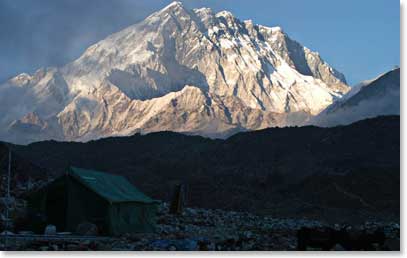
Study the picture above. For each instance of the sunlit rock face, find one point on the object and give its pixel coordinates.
(372, 98)
(192, 71)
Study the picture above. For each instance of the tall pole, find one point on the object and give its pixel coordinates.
(8, 198)
(9, 174)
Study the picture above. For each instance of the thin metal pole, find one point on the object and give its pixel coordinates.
(8, 199)
(9, 174)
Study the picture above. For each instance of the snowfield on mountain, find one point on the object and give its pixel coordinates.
(377, 97)
(191, 71)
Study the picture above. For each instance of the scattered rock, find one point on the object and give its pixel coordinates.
(44, 248)
(338, 247)
(25, 232)
(6, 233)
(210, 230)
(392, 244)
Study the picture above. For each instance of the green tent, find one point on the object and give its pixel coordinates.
(109, 201)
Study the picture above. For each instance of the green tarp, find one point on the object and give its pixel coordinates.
(109, 201)
(111, 187)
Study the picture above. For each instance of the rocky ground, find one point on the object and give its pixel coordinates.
(202, 229)
(194, 229)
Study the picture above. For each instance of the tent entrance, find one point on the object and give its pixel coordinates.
(56, 206)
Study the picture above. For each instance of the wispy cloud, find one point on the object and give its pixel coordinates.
(41, 33)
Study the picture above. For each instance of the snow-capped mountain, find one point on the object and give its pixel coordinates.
(192, 71)
(379, 96)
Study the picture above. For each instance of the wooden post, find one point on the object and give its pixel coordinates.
(9, 174)
(178, 200)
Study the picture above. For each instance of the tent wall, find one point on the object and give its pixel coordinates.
(56, 204)
(85, 206)
(132, 217)
(48, 204)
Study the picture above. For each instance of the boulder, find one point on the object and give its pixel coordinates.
(338, 247)
(87, 229)
(50, 230)
(392, 245)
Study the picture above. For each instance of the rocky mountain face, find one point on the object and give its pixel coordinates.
(380, 96)
(191, 71)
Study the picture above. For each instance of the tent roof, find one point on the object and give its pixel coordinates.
(113, 188)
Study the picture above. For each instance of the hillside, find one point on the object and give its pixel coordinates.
(341, 173)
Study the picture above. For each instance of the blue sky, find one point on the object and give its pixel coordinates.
(360, 38)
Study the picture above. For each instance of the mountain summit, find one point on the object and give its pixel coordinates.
(376, 97)
(191, 71)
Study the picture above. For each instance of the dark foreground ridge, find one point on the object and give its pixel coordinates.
(345, 174)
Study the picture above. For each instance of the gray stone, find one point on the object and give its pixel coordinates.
(338, 247)
(50, 230)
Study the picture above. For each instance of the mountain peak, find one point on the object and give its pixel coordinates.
(173, 5)
(224, 13)
(379, 96)
(244, 77)
(175, 8)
